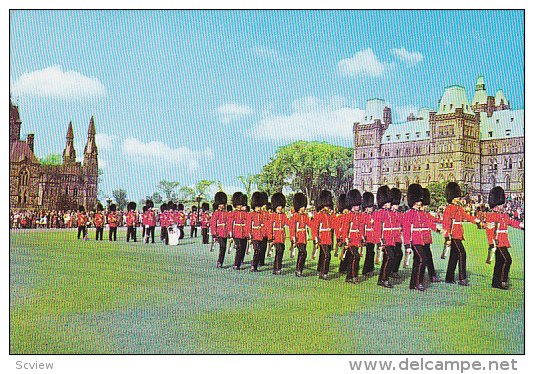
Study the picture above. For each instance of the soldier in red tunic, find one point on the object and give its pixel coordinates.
(131, 222)
(100, 220)
(385, 222)
(453, 218)
(182, 219)
(81, 219)
(497, 222)
(298, 230)
(353, 230)
(205, 217)
(256, 222)
(342, 211)
(267, 214)
(164, 223)
(396, 196)
(219, 225)
(150, 227)
(238, 227)
(277, 230)
(370, 236)
(323, 231)
(113, 220)
(430, 224)
(413, 226)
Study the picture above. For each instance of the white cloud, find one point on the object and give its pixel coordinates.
(162, 154)
(231, 112)
(409, 57)
(364, 63)
(265, 52)
(105, 141)
(56, 83)
(311, 119)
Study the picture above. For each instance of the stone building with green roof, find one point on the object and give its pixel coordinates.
(478, 143)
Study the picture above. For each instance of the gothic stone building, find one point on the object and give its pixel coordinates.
(33, 185)
(479, 144)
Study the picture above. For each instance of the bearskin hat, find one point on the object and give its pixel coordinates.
(354, 198)
(205, 207)
(238, 198)
(383, 196)
(229, 208)
(180, 206)
(170, 204)
(99, 207)
(452, 190)
(278, 199)
(113, 207)
(81, 208)
(299, 201)
(414, 194)
(268, 207)
(131, 205)
(163, 207)
(220, 198)
(325, 200)
(368, 200)
(341, 202)
(258, 199)
(149, 204)
(496, 197)
(194, 208)
(426, 196)
(396, 196)
(145, 208)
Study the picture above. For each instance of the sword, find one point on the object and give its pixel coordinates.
(407, 258)
(247, 251)
(378, 255)
(446, 250)
(269, 253)
(292, 250)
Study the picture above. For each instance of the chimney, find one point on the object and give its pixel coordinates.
(29, 140)
(491, 106)
(386, 116)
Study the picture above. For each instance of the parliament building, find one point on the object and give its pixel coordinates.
(478, 143)
(35, 186)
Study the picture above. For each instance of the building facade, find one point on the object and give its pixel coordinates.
(35, 186)
(479, 144)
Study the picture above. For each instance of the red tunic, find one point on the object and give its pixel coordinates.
(218, 223)
(267, 218)
(386, 222)
(413, 225)
(338, 226)
(165, 219)
(256, 224)
(81, 219)
(298, 225)
(397, 229)
(497, 228)
(430, 224)
(354, 229)
(205, 219)
(238, 224)
(150, 217)
(453, 216)
(99, 220)
(113, 219)
(323, 227)
(278, 224)
(370, 234)
(181, 218)
(193, 216)
(131, 218)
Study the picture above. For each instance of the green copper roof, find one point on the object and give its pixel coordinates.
(454, 97)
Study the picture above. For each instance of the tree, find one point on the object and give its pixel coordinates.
(52, 159)
(186, 194)
(308, 167)
(437, 194)
(168, 189)
(202, 185)
(248, 181)
(120, 198)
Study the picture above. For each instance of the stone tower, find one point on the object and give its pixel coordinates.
(90, 166)
(69, 153)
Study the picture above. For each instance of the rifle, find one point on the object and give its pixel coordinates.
(270, 251)
(213, 242)
(315, 248)
(247, 251)
(292, 250)
(446, 250)
(407, 258)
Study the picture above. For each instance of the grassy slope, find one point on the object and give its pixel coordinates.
(70, 296)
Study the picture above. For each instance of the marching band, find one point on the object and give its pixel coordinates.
(358, 228)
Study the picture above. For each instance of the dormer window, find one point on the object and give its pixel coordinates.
(388, 137)
(398, 136)
(451, 106)
(428, 133)
(417, 134)
(490, 134)
(497, 120)
(508, 132)
(512, 119)
(407, 135)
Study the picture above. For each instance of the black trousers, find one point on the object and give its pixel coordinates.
(419, 265)
(193, 231)
(301, 258)
(256, 244)
(263, 252)
(387, 262)
(99, 233)
(112, 234)
(430, 261)
(241, 246)
(352, 258)
(165, 235)
(324, 258)
(343, 263)
(456, 257)
(222, 249)
(397, 259)
(205, 236)
(181, 228)
(144, 231)
(503, 261)
(82, 230)
(149, 233)
(369, 263)
(131, 233)
(279, 254)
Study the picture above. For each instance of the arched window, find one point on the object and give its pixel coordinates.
(24, 177)
(492, 181)
(397, 183)
(510, 164)
(507, 182)
(406, 182)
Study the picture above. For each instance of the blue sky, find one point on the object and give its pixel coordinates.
(189, 95)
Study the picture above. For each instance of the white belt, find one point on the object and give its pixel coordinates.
(502, 231)
(256, 227)
(418, 229)
(301, 230)
(221, 224)
(239, 224)
(366, 229)
(354, 230)
(325, 229)
(457, 223)
(388, 228)
(277, 228)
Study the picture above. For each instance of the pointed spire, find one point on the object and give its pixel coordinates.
(92, 130)
(90, 148)
(70, 132)
(480, 83)
(69, 154)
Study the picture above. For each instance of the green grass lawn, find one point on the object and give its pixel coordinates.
(69, 296)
